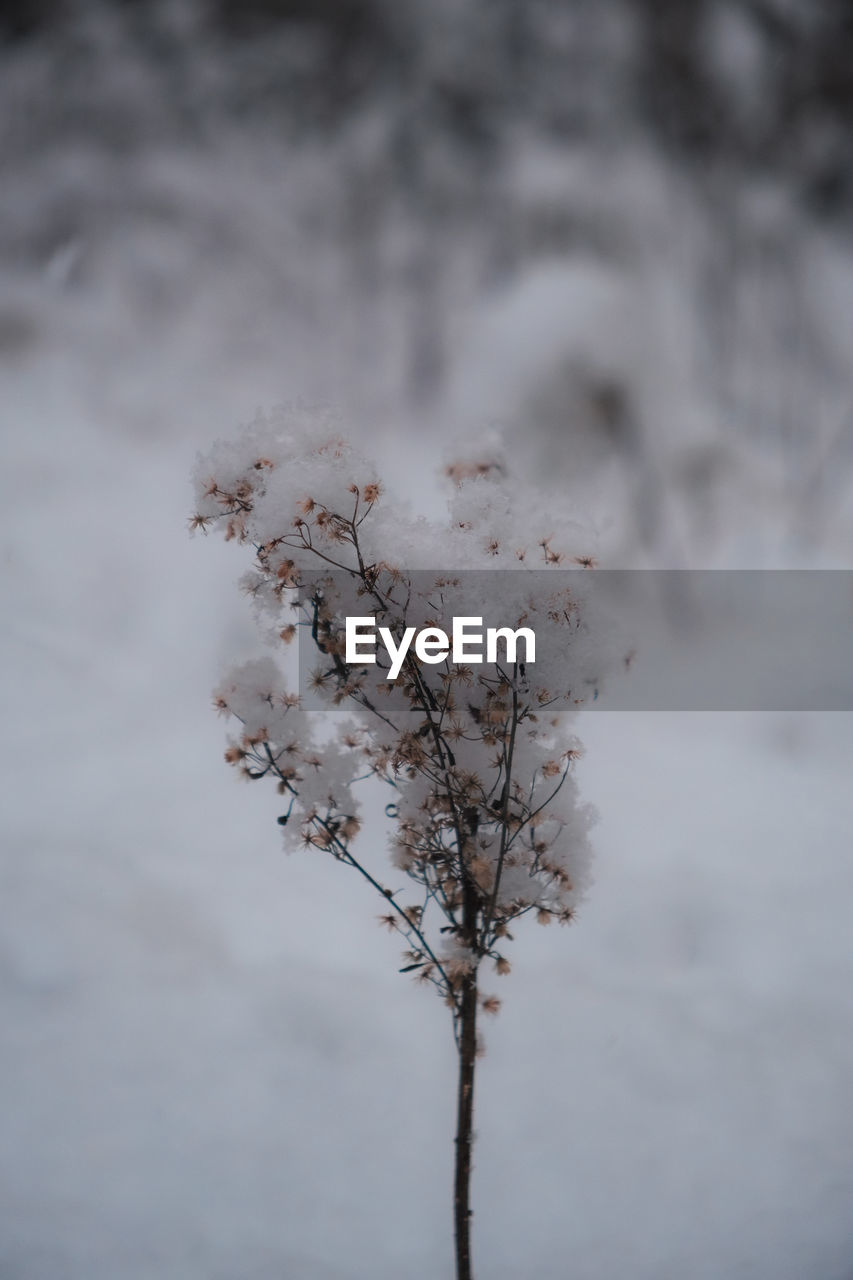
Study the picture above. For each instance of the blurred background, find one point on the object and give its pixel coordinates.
(620, 234)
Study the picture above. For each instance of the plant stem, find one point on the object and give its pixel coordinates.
(466, 1043)
(464, 1124)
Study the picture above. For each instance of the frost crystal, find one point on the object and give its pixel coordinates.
(478, 759)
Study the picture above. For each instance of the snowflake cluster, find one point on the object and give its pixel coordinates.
(487, 823)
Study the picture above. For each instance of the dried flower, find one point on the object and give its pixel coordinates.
(483, 808)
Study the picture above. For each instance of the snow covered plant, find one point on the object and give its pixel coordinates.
(486, 822)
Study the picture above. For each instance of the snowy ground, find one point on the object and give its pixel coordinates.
(209, 1066)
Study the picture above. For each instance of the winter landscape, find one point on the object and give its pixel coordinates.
(610, 245)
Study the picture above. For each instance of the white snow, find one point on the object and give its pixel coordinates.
(209, 1065)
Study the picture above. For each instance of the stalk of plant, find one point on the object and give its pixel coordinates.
(486, 823)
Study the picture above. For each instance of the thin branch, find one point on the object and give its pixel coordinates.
(508, 757)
